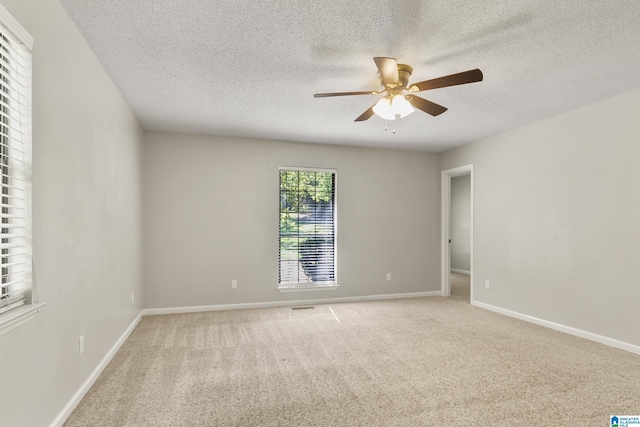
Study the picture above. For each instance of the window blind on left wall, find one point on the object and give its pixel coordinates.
(15, 170)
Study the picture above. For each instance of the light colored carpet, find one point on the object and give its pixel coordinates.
(460, 287)
(413, 362)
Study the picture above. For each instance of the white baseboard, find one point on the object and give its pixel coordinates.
(195, 309)
(75, 400)
(457, 270)
(562, 328)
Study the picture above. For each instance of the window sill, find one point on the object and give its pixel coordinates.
(18, 316)
(306, 288)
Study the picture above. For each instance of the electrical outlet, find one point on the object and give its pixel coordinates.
(81, 344)
(234, 284)
(487, 284)
(131, 297)
(388, 277)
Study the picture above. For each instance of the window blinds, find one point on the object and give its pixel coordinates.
(15, 171)
(307, 227)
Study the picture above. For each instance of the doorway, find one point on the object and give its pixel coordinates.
(457, 233)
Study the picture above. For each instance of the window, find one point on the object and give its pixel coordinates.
(15, 170)
(307, 244)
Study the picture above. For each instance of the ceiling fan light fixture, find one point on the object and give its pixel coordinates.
(400, 105)
(383, 109)
(389, 107)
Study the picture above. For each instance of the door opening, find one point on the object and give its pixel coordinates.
(457, 232)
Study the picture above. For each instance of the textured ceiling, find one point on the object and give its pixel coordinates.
(250, 68)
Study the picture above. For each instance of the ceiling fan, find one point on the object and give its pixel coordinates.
(395, 81)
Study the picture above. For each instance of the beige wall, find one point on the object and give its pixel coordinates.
(86, 221)
(557, 217)
(211, 215)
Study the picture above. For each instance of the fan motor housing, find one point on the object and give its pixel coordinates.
(404, 72)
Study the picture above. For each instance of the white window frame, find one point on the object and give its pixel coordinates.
(323, 286)
(22, 41)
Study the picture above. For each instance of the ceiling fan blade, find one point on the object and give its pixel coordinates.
(465, 77)
(324, 95)
(365, 116)
(388, 69)
(426, 106)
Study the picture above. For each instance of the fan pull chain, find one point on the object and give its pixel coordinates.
(386, 128)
